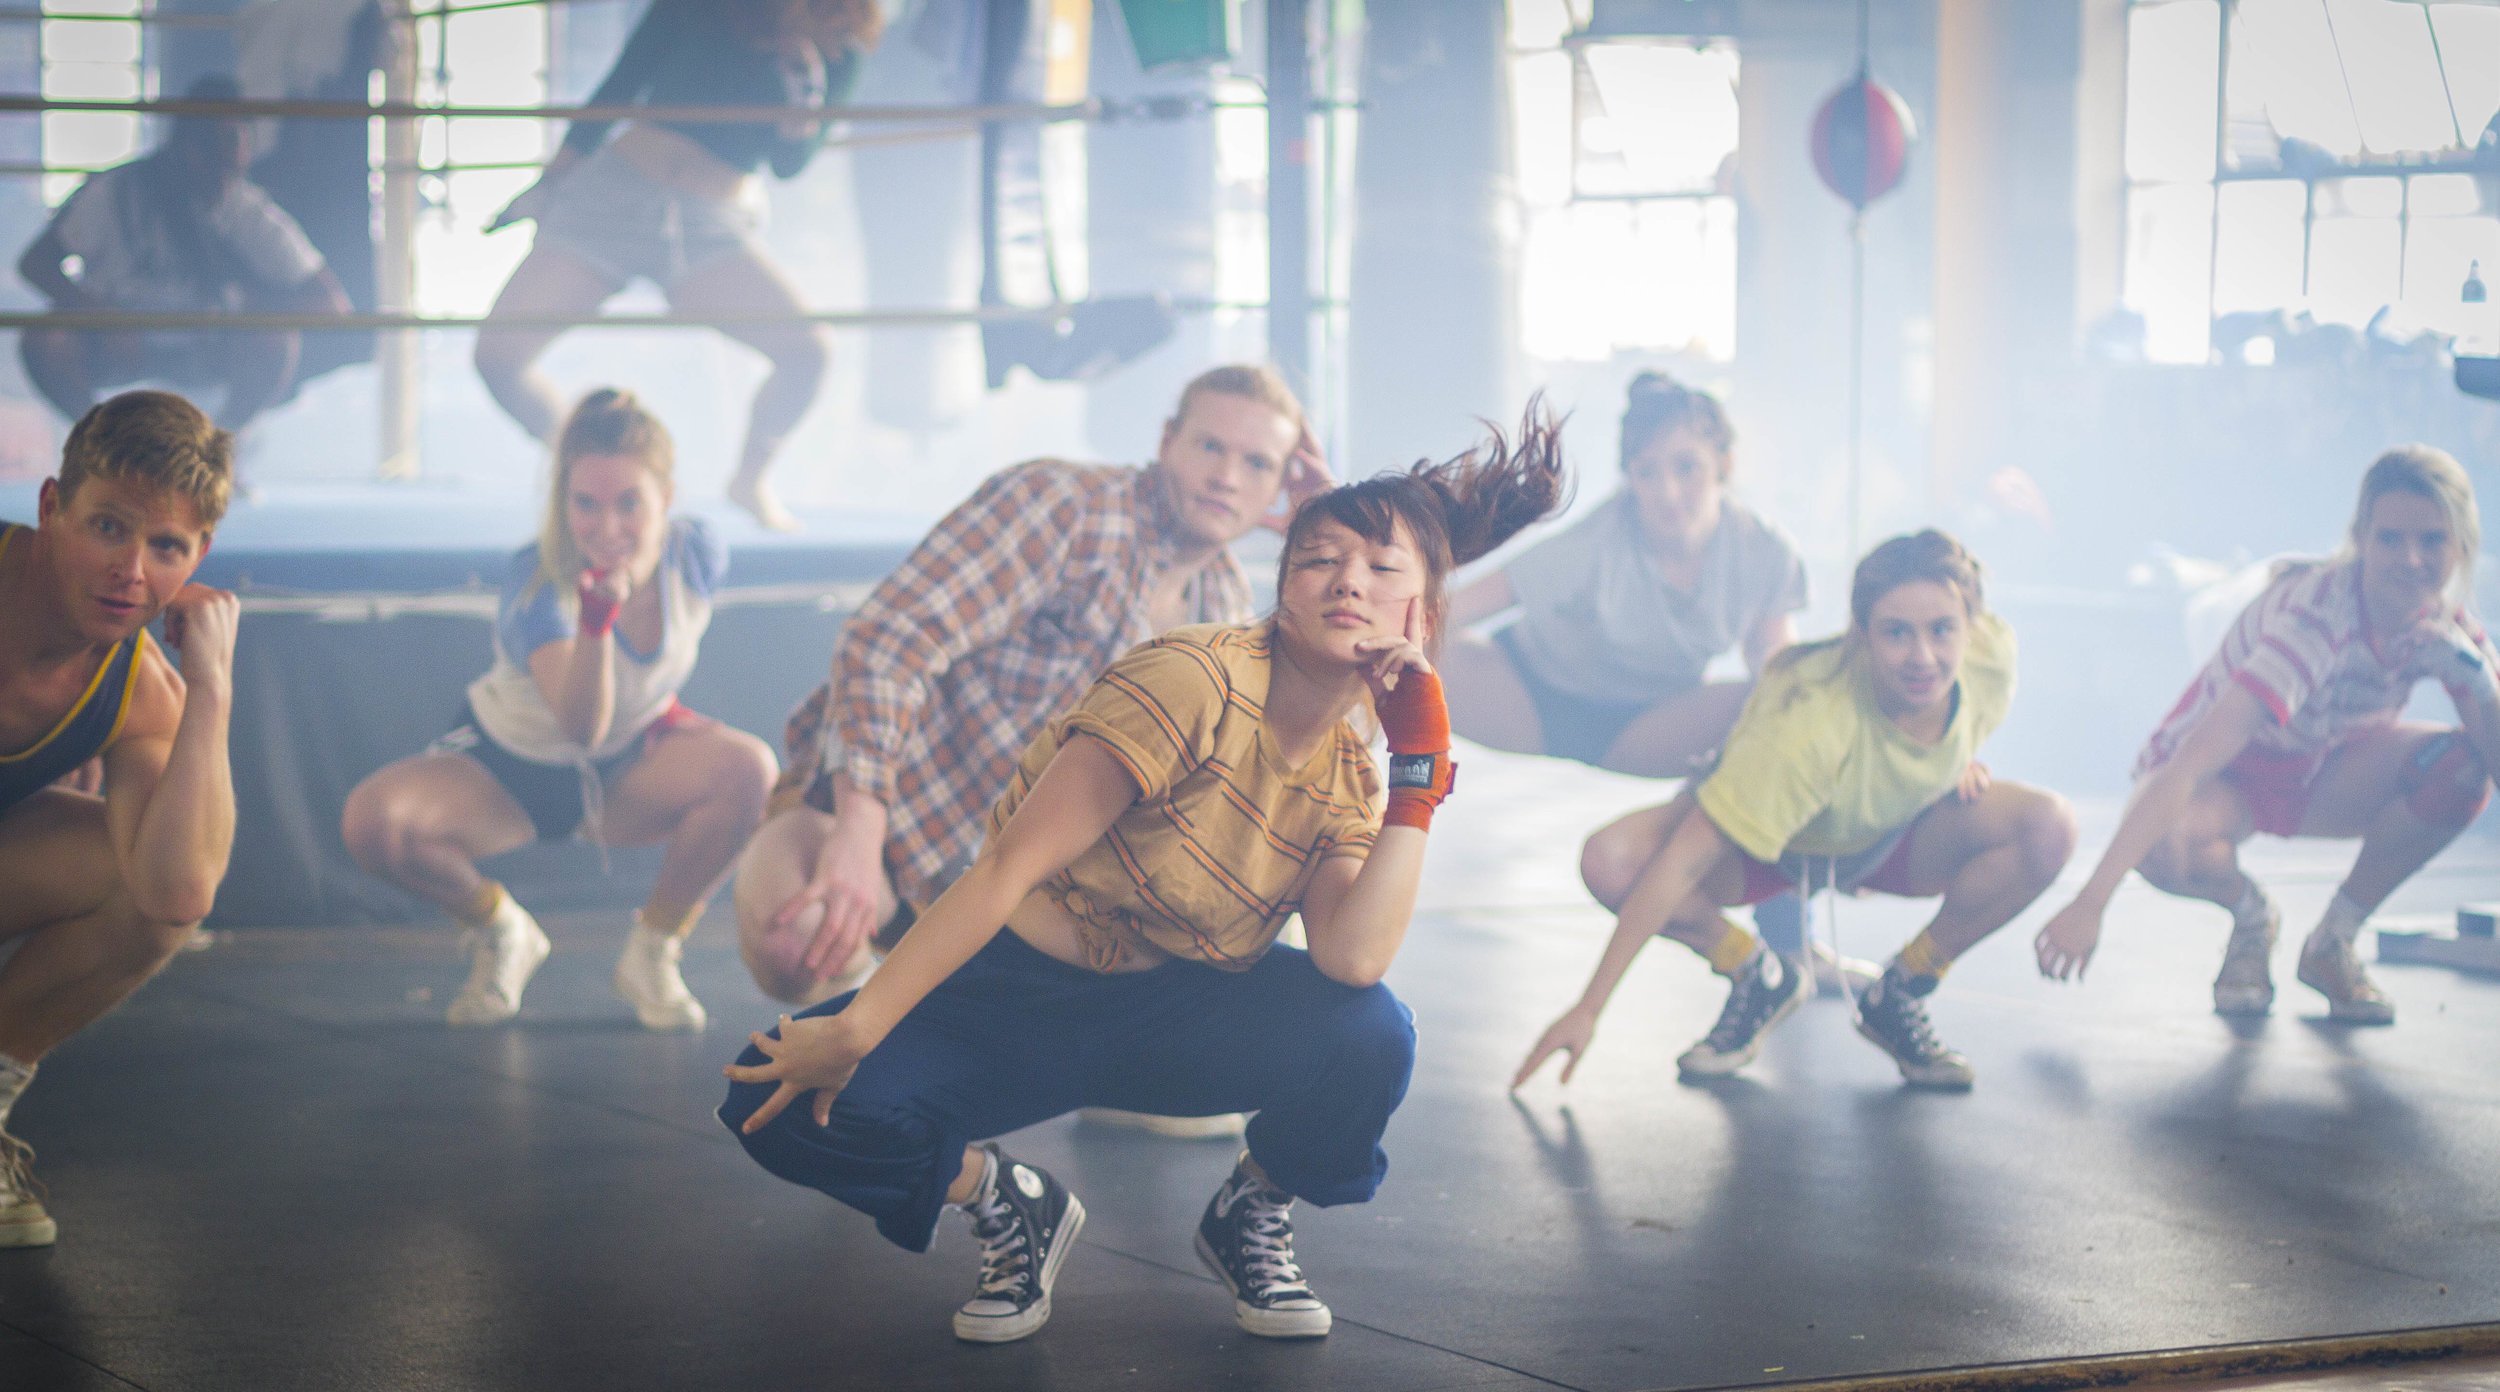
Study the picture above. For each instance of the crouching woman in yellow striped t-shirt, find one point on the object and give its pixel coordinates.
(1151, 845)
(1851, 768)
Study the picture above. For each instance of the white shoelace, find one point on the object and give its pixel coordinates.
(1002, 1246)
(17, 1175)
(1267, 1240)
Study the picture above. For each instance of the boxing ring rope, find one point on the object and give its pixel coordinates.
(106, 321)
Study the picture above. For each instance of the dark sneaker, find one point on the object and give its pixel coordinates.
(1246, 1239)
(1762, 996)
(2245, 986)
(2330, 967)
(1026, 1224)
(1891, 1015)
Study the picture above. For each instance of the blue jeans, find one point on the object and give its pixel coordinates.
(1017, 1037)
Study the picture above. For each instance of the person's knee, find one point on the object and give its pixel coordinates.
(368, 828)
(804, 357)
(748, 772)
(2446, 784)
(1377, 1031)
(1610, 864)
(501, 356)
(2048, 833)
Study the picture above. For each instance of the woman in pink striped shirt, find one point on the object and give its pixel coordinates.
(2294, 729)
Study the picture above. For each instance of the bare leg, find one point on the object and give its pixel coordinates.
(701, 790)
(1619, 860)
(84, 946)
(1669, 738)
(2201, 858)
(1488, 702)
(424, 822)
(798, 355)
(778, 862)
(548, 281)
(2367, 789)
(1612, 859)
(1990, 858)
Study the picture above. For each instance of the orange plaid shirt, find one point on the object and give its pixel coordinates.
(994, 624)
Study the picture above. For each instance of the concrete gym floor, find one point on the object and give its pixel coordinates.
(276, 1169)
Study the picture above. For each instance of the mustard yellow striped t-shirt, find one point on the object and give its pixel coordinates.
(1224, 837)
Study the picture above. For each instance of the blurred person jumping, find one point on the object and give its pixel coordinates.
(680, 204)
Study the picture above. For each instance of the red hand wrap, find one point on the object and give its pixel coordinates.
(1421, 772)
(598, 606)
(1413, 715)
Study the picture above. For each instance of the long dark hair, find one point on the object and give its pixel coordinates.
(1454, 511)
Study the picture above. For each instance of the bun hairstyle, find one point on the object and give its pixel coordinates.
(1454, 511)
(1657, 405)
(1930, 555)
(609, 421)
(2427, 472)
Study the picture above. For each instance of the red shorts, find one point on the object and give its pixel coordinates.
(2276, 787)
(1891, 875)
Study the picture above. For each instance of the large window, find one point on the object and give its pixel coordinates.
(496, 56)
(2307, 156)
(89, 59)
(1626, 157)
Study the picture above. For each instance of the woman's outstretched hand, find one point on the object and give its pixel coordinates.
(2066, 942)
(1569, 1035)
(818, 1054)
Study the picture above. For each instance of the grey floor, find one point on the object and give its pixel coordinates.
(275, 1169)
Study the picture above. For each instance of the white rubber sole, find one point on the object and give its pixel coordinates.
(1267, 1324)
(985, 1329)
(36, 1232)
(1692, 1063)
(1941, 1077)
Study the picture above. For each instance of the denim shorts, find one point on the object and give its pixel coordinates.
(625, 224)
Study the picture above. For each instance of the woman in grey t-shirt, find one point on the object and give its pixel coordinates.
(1620, 613)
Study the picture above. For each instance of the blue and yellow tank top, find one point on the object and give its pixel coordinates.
(89, 725)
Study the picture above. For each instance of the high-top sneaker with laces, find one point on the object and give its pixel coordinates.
(23, 1222)
(1762, 995)
(1026, 1222)
(2329, 966)
(503, 955)
(647, 978)
(1895, 1019)
(1246, 1238)
(2245, 985)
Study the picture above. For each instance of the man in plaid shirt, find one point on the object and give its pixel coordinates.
(993, 625)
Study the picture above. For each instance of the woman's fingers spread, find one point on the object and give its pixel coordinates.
(782, 1097)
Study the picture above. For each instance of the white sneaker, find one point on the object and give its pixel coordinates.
(1223, 1126)
(23, 1222)
(647, 978)
(2245, 985)
(503, 956)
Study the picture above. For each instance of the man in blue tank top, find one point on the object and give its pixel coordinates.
(96, 893)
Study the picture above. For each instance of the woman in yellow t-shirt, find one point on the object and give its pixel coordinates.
(1851, 768)
(1150, 846)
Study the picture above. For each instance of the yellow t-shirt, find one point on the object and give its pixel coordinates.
(1816, 767)
(1224, 837)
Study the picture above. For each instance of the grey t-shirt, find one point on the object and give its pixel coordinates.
(1599, 621)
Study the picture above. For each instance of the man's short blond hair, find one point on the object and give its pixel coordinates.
(157, 440)
(1254, 381)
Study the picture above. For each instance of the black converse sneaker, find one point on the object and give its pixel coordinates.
(1026, 1222)
(1762, 996)
(1246, 1239)
(1891, 1015)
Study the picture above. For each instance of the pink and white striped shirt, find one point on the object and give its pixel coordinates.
(2304, 648)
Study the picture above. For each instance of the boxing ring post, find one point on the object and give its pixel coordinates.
(395, 262)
